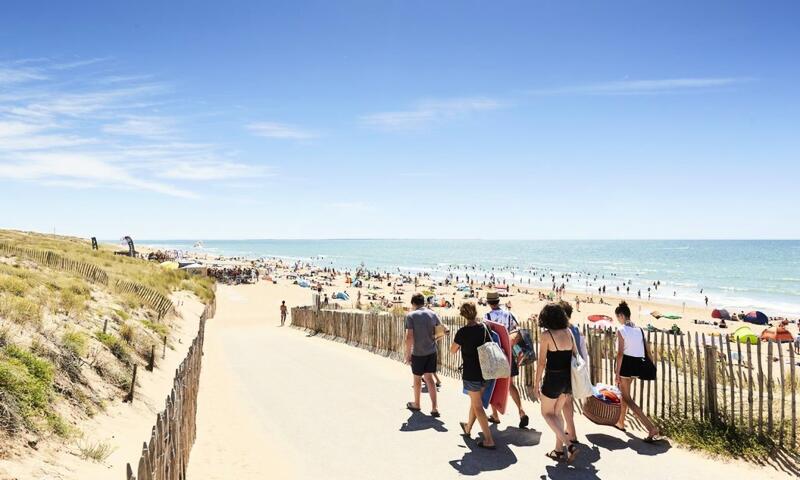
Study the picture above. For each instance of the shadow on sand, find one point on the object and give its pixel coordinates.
(636, 444)
(478, 460)
(419, 421)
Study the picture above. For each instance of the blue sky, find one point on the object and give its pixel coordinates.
(397, 119)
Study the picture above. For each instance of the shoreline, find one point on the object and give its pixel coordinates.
(514, 276)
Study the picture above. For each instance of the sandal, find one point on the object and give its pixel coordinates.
(554, 455)
(411, 407)
(487, 447)
(653, 438)
(435, 414)
(493, 420)
(572, 452)
(621, 429)
(464, 428)
(523, 421)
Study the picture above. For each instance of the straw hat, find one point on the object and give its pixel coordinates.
(492, 297)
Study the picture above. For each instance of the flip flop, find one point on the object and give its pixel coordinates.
(554, 455)
(493, 420)
(435, 414)
(487, 447)
(523, 421)
(572, 452)
(411, 407)
(464, 428)
(620, 429)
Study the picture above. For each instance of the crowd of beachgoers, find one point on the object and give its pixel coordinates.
(424, 299)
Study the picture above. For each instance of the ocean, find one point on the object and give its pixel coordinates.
(734, 274)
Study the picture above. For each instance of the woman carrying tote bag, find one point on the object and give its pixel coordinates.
(633, 361)
(553, 383)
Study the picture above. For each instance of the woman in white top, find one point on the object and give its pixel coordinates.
(631, 357)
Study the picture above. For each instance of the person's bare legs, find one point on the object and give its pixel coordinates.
(477, 412)
(553, 419)
(417, 389)
(517, 400)
(431, 391)
(559, 411)
(627, 401)
(569, 419)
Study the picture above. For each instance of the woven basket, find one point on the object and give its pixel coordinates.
(600, 412)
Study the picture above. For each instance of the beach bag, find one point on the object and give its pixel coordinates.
(600, 412)
(493, 361)
(648, 371)
(523, 350)
(439, 332)
(581, 381)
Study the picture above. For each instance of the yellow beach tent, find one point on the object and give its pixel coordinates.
(745, 335)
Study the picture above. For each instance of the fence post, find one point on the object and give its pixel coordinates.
(711, 383)
(129, 397)
(105, 325)
(151, 362)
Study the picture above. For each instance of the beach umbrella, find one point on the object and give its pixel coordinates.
(597, 318)
(720, 313)
(777, 334)
(745, 335)
(756, 317)
(604, 324)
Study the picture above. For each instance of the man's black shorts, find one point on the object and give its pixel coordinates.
(424, 364)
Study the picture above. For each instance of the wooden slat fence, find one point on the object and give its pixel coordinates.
(166, 456)
(51, 259)
(706, 378)
(92, 273)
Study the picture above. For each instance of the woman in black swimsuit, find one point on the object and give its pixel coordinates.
(556, 348)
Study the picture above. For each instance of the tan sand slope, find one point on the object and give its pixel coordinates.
(275, 403)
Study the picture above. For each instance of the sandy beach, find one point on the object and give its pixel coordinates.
(277, 403)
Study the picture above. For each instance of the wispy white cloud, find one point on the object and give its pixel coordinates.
(426, 112)
(18, 75)
(352, 207)
(645, 87)
(280, 131)
(212, 170)
(92, 130)
(86, 169)
(147, 126)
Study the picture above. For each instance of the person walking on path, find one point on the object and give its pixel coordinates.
(283, 312)
(506, 319)
(420, 350)
(632, 352)
(553, 382)
(580, 344)
(467, 339)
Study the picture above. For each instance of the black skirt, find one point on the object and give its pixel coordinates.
(632, 366)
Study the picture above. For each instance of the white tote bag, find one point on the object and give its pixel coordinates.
(494, 363)
(581, 380)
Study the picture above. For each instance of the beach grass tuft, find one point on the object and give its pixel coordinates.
(721, 440)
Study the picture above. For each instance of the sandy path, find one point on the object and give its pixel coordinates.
(276, 403)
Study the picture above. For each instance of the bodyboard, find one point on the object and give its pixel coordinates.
(502, 386)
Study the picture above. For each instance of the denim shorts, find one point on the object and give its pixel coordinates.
(474, 385)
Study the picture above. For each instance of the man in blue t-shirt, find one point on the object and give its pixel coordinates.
(506, 319)
(421, 350)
